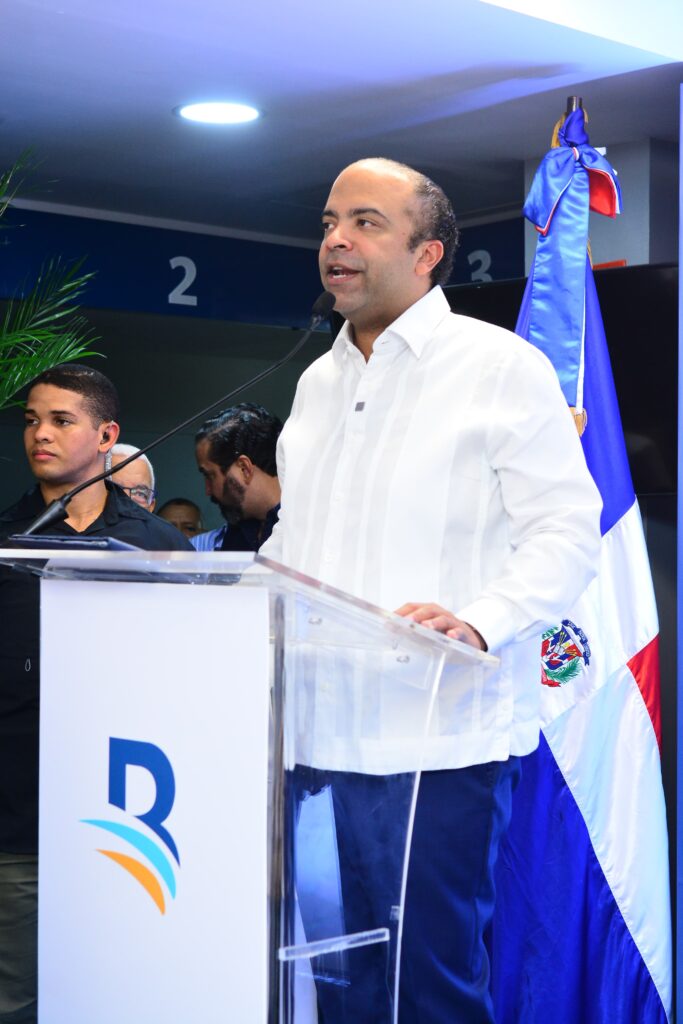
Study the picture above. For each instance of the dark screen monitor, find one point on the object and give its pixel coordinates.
(640, 313)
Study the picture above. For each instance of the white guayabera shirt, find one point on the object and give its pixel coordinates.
(447, 468)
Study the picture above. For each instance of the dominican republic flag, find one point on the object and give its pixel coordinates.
(582, 932)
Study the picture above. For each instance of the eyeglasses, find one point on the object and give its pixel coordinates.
(140, 493)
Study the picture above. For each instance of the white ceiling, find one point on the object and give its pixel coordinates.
(463, 89)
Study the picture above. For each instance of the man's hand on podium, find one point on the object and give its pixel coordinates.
(433, 616)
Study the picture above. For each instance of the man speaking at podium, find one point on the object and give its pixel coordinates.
(430, 465)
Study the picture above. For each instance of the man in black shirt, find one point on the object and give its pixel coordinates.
(235, 453)
(71, 422)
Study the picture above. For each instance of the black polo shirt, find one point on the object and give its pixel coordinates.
(20, 648)
(249, 534)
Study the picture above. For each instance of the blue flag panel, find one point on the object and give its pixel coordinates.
(578, 963)
(603, 438)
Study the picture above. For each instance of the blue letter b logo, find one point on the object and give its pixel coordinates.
(152, 758)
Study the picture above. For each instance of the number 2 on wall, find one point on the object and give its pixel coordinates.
(179, 294)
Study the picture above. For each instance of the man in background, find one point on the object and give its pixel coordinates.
(235, 454)
(71, 423)
(184, 514)
(137, 479)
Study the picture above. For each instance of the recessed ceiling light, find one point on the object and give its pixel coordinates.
(217, 113)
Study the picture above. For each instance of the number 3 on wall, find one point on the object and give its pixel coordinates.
(483, 258)
(179, 295)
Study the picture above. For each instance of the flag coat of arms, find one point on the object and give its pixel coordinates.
(582, 931)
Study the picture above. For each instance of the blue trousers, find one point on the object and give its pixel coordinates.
(461, 816)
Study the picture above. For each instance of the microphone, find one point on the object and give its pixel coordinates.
(57, 509)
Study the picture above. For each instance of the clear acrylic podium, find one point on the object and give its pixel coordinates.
(283, 890)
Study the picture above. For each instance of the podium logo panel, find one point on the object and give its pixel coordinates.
(152, 868)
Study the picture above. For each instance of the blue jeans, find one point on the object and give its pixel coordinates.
(460, 818)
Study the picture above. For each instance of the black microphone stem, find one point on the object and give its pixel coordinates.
(57, 509)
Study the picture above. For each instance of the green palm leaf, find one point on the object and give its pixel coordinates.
(12, 180)
(41, 329)
(51, 301)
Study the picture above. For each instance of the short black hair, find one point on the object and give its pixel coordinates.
(245, 429)
(178, 501)
(100, 397)
(435, 219)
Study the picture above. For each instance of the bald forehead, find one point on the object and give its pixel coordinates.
(382, 171)
(373, 186)
(136, 473)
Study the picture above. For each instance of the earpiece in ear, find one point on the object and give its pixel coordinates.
(105, 437)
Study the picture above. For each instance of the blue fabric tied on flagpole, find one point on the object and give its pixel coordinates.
(558, 204)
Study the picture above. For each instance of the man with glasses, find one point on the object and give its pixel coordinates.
(137, 479)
